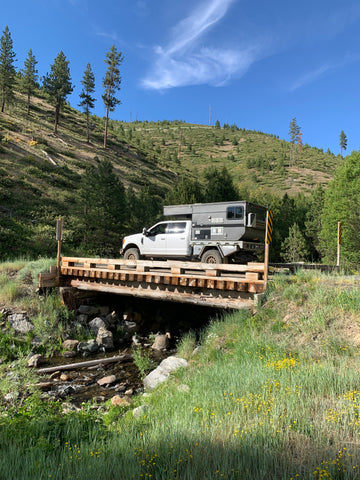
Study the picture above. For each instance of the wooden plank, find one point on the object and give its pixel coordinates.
(243, 301)
(47, 280)
(252, 276)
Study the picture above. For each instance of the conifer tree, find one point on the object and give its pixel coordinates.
(343, 142)
(294, 131)
(87, 101)
(29, 77)
(294, 248)
(111, 84)
(7, 69)
(57, 84)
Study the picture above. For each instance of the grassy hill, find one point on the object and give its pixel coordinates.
(40, 172)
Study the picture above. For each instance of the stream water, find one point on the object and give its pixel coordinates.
(79, 385)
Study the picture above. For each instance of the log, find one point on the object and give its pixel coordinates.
(90, 363)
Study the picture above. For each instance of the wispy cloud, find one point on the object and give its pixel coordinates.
(183, 62)
(314, 75)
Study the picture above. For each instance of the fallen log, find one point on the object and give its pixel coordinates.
(90, 363)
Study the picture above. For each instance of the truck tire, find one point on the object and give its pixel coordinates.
(211, 256)
(132, 254)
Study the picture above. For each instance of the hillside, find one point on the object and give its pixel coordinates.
(40, 172)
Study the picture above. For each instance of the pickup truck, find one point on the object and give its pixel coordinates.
(220, 232)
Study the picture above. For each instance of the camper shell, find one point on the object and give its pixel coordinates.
(222, 221)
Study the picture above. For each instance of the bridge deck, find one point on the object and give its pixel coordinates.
(218, 285)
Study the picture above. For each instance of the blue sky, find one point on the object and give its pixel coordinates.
(254, 63)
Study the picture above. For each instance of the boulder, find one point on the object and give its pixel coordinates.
(111, 319)
(106, 380)
(130, 327)
(140, 411)
(70, 344)
(20, 323)
(35, 360)
(87, 310)
(118, 401)
(88, 347)
(162, 372)
(96, 324)
(161, 342)
(105, 339)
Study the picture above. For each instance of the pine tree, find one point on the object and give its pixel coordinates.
(7, 69)
(343, 142)
(87, 101)
(101, 209)
(57, 84)
(219, 186)
(29, 77)
(111, 84)
(294, 247)
(294, 130)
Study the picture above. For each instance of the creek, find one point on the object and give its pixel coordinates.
(103, 381)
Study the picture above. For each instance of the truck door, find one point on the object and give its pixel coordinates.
(178, 237)
(154, 242)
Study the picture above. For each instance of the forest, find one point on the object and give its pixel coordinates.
(108, 178)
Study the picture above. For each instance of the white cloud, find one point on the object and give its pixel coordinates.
(183, 62)
(314, 75)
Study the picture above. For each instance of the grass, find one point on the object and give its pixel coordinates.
(269, 395)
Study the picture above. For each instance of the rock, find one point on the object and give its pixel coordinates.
(70, 344)
(118, 401)
(112, 319)
(162, 372)
(139, 412)
(35, 360)
(103, 311)
(130, 327)
(20, 323)
(129, 392)
(69, 354)
(82, 319)
(96, 324)
(161, 342)
(87, 310)
(107, 380)
(12, 396)
(64, 377)
(88, 347)
(105, 339)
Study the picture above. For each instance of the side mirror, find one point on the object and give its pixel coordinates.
(145, 232)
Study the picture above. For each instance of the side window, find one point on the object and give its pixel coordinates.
(176, 227)
(158, 229)
(235, 213)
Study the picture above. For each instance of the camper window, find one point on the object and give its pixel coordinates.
(235, 213)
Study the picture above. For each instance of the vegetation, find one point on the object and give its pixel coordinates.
(268, 395)
(44, 176)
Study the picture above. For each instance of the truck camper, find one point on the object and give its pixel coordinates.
(220, 232)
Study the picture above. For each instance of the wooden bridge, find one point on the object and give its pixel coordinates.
(217, 285)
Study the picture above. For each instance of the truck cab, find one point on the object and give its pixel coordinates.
(170, 239)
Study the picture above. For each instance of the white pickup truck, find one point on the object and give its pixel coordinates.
(211, 233)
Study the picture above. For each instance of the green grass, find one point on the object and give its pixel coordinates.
(269, 395)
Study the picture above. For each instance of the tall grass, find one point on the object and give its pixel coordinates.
(266, 398)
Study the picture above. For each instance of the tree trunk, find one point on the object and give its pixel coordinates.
(106, 126)
(87, 128)
(57, 111)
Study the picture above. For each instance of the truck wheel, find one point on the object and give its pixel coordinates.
(211, 256)
(132, 254)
